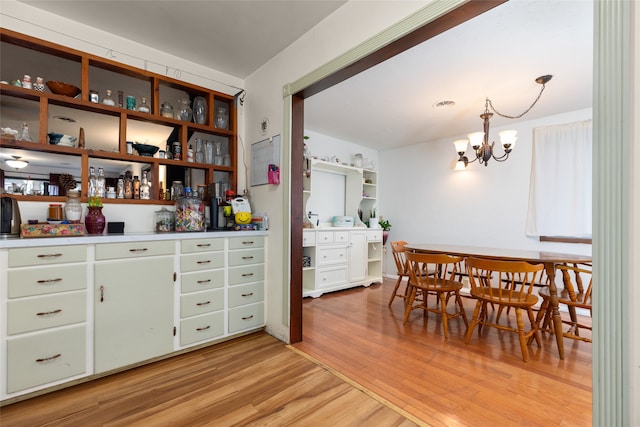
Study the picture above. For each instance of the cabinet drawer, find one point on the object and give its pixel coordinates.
(201, 245)
(308, 238)
(251, 256)
(46, 255)
(201, 328)
(46, 280)
(325, 237)
(202, 280)
(246, 294)
(201, 302)
(203, 261)
(247, 242)
(332, 277)
(42, 358)
(134, 249)
(31, 314)
(246, 274)
(246, 317)
(374, 235)
(332, 255)
(340, 236)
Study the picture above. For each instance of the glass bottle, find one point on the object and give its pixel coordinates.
(101, 184)
(92, 181)
(136, 187)
(144, 107)
(73, 207)
(199, 157)
(177, 190)
(120, 189)
(217, 157)
(145, 188)
(108, 100)
(190, 154)
(24, 136)
(168, 153)
(161, 192)
(208, 152)
(128, 185)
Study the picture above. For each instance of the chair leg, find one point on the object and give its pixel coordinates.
(409, 302)
(395, 290)
(521, 335)
(534, 326)
(445, 317)
(461, 309)
(474, 321)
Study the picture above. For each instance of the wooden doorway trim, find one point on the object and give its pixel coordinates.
(448, 20)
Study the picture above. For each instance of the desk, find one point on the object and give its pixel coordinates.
(549, 259)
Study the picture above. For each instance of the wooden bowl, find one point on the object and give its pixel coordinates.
(61, 88)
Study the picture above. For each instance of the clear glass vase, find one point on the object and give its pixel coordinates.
(222, 118)
(200, 110)
(73, 207)
(184, 112)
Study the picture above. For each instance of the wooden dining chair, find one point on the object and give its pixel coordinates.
(507, 284)
(397, 248)
(441, 283)
(574, 295)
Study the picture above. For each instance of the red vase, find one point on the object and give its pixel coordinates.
(95, 221)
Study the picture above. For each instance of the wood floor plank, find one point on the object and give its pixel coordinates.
(445, 382)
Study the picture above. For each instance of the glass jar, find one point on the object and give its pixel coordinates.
(177, 190)
(108, 100)
(73, 207)
(163, 220)
(184, 111)
(166, 110)
(144, 107)
(190, 214)
(55, 212)
(200, 110)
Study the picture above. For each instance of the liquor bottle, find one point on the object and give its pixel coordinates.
(92, 181)
(136, 187)
(145, 188)
(120, 192)
(101, 184)
(128, 185)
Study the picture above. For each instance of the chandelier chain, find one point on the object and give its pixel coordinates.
(525, 111)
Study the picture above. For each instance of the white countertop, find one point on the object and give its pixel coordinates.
(17, 242)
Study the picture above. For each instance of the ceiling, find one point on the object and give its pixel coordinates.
(497, 54)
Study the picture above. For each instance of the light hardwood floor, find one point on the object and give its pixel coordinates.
(353, 336)
(447, 383)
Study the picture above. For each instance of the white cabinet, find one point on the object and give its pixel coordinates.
(246, 283)
(339, 259)
(133, 303)
(46, 315)
(202, 263)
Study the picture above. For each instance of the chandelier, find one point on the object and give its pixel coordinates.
(15, 162)
(482, 150)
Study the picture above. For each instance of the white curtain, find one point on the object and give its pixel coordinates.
(560, 188)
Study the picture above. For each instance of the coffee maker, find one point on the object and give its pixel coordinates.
(216, 205)
(9, 217)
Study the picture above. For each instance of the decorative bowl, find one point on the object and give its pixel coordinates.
(61, 139)
(62, 88)
(145, 149)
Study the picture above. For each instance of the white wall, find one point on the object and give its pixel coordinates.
(428, 202)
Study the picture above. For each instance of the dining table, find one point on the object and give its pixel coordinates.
(550, 260)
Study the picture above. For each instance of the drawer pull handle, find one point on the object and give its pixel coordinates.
(204, 245)
(49, 255)
(203, 329)
(247, 275)
(203, 281)
(247, 257)
(48, 313)
(247, 317)
(199, 304)
(48, 281)
(250, 242)
(248, 295)
(46, 359)
(204, 262)
(138, 250)
(101, 293)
